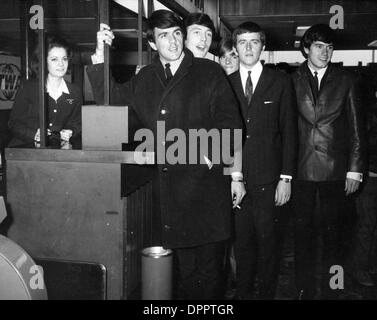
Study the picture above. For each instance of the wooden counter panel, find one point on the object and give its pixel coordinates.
(58, 155)
(74, 211)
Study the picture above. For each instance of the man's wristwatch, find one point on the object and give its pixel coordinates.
(285, 180)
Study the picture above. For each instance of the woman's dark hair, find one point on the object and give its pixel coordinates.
(201, 19)
(225, 45)
(51, 41)
(163, 19)
(317, 32)
(56, 42)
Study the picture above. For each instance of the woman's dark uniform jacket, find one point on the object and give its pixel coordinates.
(24, 117)
(195, 201)
(330, 130)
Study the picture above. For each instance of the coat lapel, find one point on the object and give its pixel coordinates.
(326, 81)
(178, 76)
(305, 81)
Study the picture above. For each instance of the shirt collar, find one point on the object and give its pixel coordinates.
(320, 72)
(255, 69)
(256, 72)
(174, 65)
(55, 94)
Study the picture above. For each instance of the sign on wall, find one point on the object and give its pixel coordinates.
(10, 77)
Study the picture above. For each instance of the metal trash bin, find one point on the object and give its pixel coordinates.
(156, 273)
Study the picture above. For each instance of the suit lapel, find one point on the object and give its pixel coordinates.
(305, 81)
(263, 84)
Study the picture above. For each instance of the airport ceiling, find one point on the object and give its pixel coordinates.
(282, 19)
(76, 20)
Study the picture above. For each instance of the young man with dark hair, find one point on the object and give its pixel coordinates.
(267, 103)
(200, 32)
(330, 159)
(194, 200)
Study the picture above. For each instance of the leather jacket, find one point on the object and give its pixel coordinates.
(331, 130)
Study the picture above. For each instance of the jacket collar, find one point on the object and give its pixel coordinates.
(181, 72)
(303, 69)
(304, 72)
(56, 94)
(263, 84)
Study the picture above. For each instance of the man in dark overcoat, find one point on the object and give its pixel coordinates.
(184, 94)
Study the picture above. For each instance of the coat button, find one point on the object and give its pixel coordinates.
(55, 110)
(163, 111)
(248, 136)
(164, 169)
(167, 227)
(50, 124)
(248, 120)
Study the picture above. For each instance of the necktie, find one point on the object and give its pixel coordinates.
(316, 84)
(168, 73)
(248, 88)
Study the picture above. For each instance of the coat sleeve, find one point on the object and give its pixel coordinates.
(357, 148)
(226, 114)
(120, 94)
(288, 127)
(21, 124)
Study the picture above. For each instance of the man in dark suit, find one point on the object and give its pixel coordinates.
(194, 198)
(268, 107)
(331, 155)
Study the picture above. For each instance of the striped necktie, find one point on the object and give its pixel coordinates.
(248, 88)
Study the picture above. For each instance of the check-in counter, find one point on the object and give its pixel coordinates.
(70, 206)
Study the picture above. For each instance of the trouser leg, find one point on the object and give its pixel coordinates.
(267, 221)
(332, 204)
(245, 248)
(305, 235)
(200, 271)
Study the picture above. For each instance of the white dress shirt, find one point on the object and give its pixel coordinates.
(256, 72)
(320, 73)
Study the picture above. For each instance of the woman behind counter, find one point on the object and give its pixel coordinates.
(63, 105)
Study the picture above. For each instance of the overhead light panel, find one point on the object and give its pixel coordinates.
(300, 30)
(373, 44)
